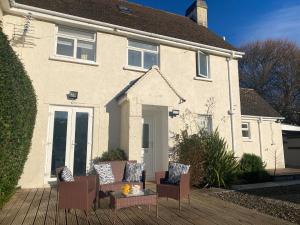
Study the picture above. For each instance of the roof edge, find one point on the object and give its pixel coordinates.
(52, 15)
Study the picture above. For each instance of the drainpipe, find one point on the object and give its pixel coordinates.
(260, 137)
(230, 112)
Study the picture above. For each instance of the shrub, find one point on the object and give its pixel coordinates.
(211, 163)
(112, 155)
(17, 118)
(189, 150)
(252, 169)
(221, 167)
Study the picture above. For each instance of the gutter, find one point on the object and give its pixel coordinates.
(231, 110)
(48, 14)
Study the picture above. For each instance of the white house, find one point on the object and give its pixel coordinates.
(110, 73)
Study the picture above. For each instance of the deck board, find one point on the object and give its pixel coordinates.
(38, 207)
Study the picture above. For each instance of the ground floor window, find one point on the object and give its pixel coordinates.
(204, 122)
(246, 130)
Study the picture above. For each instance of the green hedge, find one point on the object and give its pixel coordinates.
(17, 118)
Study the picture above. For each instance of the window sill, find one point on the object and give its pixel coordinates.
(203, 79)
(63, 59)
(132, 68)
(247, 140)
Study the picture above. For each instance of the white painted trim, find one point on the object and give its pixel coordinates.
(56, 17)
(203, 79)
(72, 60)
(75, 40)
(249, 131)
(208, 77)
(288, 127)
(70, 137)
(142, 51)
(133, 68)
(265, 118)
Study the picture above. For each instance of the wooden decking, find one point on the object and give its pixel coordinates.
(38, 206)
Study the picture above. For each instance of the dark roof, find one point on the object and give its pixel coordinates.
(252, 104)
(142, 18)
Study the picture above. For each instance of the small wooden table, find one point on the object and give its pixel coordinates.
(118, 200)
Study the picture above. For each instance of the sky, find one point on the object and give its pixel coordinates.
(243, 21)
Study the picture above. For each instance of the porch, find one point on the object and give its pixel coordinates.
(38, 206)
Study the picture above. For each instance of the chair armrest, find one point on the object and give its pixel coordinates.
(159, 176)
(75, 193)
(185, 182)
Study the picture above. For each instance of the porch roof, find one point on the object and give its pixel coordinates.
(139, 80)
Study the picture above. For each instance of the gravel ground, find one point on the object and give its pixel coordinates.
(281, 202)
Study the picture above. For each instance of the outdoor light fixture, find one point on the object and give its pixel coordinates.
(73, 95)
(174, 113)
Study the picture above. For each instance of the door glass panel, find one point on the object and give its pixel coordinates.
(59, 140)
(145, 135)
(80, 144)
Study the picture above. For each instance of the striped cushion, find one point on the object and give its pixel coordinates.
(66, 175)
(105, 173)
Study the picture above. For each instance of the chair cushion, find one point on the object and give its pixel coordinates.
(104, 172)
(175, 171)
(66, 175)
(133, 171)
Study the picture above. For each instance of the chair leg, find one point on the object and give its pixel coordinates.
(179, 205)
(189, 197)
(57, 215)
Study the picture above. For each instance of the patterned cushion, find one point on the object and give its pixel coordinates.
(66, 175)
(105, 173)
(133, 172)
(175, 171)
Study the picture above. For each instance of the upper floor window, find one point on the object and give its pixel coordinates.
(204, 122)
(141, 54)
(246, 130)
(203, 65)
(76, 44)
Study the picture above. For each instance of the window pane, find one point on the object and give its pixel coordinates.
(145, 135)
(245, 125)
(59, 140)
(134, 58)
(245, 133)
(76, 33)
(65, 46)
(81, 140)
(142, 45)
(150, 59)
(203, 69)
(85, 50)
(205, 123)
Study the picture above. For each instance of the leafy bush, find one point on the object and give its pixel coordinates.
(189, 150)
(17, 118)
(112, 155)
(252, 169)
(221, 167)
(211, 163)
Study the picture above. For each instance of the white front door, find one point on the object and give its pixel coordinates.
(69, 140)
(147, 153)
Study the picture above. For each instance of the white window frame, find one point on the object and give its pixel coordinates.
(142, 53)
(75, 39)
(199, 75)
(207, 116)
(246, 129)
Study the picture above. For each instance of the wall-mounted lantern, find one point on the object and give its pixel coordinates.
(73, 95)
(174, 113)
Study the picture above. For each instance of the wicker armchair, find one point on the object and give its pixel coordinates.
(176, 191)
(79, 194)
